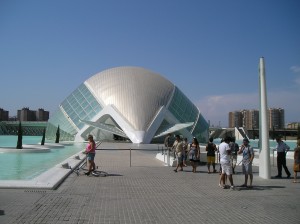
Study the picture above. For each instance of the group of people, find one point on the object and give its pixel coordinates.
(228, 151)
(282, 148)
(184, 150)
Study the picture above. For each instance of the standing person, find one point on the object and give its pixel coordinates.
(211, 148)
(167, 141)
(218, 157)
(296, 160)
(185, 150)
(90, 150)
(248, 156)
(282, 149)
(178, 149)
(225, 151)
(234, 151)
(194, 154)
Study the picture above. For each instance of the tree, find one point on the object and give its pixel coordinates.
(43, 138)
(20, 136)
(57, 135)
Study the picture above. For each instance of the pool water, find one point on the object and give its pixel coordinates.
(26, 166)
(255, 143)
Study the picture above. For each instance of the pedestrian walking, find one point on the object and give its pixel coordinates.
(178, 149)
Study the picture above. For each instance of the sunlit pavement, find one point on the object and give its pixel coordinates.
(149, 192)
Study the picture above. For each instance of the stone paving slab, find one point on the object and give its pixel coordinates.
(149, 192)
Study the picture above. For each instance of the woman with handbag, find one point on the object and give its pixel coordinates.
(194, 154)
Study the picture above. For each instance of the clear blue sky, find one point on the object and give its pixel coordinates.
(210, 49)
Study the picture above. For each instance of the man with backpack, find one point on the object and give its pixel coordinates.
(248, 156)
(211, 149)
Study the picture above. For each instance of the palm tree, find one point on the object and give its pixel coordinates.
(20, 136)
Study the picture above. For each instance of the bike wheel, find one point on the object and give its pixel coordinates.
(98, 173)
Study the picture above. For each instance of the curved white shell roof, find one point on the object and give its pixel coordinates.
(136, 93)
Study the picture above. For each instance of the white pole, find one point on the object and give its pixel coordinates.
(264, 149)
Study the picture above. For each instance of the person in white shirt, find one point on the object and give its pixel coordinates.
(282, 149)
(225, 152)
(179, 152)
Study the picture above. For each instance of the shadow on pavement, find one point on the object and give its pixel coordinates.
(259, 188)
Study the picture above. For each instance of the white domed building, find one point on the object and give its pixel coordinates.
(129, 103)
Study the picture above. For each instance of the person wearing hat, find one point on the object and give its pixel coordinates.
(282, 149)
(248, 156)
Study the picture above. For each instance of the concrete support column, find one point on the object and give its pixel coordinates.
(264, 149)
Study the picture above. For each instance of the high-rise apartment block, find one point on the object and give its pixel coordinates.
(3, 115)
(250, 118)
(235, 119)
(276, 118)
(31, 115)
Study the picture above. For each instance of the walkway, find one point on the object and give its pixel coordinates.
(149, 192)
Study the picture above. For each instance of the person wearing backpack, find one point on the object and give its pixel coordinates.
(248, 156)
(211, 148)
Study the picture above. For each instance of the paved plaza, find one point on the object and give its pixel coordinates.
(150, 192)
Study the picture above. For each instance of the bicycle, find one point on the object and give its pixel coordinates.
(95, 173)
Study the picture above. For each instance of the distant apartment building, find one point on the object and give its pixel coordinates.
(293, 125)
(250, 118)
(42, 115)
(276, 118)
(31, 115)
(235, 119)
(3, 115)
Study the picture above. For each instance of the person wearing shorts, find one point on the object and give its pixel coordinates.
(211, 148)
(225, 152)
(194, 154)
(178, 149)
(248, 156)
(90, 150)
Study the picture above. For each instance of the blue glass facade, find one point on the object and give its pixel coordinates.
(79, 105)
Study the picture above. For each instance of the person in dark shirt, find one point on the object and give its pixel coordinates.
(211, 148)
(234, 150)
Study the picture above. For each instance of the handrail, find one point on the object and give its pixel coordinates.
(98, 144)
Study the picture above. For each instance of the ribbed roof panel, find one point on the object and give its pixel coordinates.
(136, 92)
